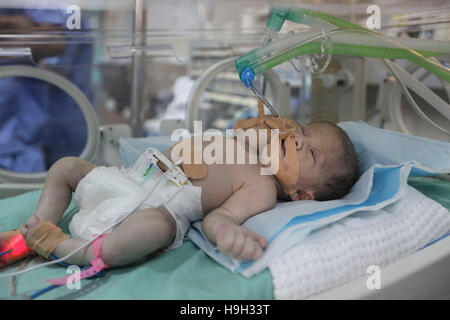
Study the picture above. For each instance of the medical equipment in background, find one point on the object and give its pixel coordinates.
(330, 35)
(395, 113)
(102, 141)
(343, 77)
(124, 43)
(335, 96)
(278, 91)
(12, 182)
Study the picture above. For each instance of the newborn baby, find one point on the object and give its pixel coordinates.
(228, 195)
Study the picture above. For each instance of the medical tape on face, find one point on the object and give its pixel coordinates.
(187, 149)
(45, 238)
(286, 175)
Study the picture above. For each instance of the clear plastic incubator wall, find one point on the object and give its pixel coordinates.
(76, 77)
(134, 64)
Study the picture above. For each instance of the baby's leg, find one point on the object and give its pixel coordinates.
(62, 179)
(141, 233)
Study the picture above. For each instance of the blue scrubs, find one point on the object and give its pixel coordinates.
(39, 123)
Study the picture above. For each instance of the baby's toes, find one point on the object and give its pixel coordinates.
(33, 221)
(24, 229)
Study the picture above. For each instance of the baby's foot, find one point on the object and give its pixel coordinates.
(12, 247)
(25, 228)
(2, 242)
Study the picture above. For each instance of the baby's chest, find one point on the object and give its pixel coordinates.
(221, 182)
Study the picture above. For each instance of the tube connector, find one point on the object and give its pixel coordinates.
(247, 77)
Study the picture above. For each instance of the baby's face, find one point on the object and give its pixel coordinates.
(317, 148)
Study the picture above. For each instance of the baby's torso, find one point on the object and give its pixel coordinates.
(222, 180)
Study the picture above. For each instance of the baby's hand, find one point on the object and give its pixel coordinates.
(240, 243)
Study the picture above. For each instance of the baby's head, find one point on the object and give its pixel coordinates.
(327, 162)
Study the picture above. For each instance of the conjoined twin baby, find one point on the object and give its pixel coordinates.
(314, 162)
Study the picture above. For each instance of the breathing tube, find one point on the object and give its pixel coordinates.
(332, 35)
(344, 38)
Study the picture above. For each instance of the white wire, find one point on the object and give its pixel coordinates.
(410, 98)
(90, 241)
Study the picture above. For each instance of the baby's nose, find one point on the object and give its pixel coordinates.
(298, 140)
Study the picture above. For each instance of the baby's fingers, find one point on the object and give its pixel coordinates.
(262, 242)
(227, 243)
(250, 250)
(239, 246)
(235, 244)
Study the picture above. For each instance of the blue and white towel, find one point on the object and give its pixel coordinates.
(343, 251)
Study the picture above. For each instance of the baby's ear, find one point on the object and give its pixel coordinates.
(302, 195)
(295, 196)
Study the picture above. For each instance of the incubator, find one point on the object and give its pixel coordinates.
(103, 80)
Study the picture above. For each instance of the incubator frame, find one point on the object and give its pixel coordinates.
(15, 180)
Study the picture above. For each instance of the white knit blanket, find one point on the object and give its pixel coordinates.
(343, 251)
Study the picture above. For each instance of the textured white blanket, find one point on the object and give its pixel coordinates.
(344, 250)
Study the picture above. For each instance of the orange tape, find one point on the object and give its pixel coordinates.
(287, 176)
(45, 238)
(191, 170)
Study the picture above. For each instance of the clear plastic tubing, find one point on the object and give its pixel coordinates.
(345, 39)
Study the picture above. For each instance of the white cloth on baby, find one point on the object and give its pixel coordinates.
(106, 194)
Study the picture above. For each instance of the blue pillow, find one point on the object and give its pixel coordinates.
(386, 147)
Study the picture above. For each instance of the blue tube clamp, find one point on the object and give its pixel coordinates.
(247, 77)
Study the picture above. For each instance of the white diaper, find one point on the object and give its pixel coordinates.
(106, 194)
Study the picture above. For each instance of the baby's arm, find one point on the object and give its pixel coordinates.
(222, 226)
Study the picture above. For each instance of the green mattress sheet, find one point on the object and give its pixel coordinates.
(183, 273)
